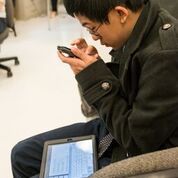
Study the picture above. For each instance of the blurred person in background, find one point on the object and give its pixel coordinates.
(2, 16)
(53, 8)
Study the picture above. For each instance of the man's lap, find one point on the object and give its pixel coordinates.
(3, 24)
(28, 153)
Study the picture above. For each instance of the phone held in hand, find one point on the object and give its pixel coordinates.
(66, 51)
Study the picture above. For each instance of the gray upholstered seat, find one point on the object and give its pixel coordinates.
(159, 164)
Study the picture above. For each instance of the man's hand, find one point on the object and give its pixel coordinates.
(86, 56)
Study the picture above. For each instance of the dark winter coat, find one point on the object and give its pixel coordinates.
(136, 94)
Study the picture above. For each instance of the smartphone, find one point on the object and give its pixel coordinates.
(66, 51)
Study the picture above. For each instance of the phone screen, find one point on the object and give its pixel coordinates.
(66, 51)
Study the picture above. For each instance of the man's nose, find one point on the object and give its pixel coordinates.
(95, 37)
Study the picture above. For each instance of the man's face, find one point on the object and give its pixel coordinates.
(113, 34)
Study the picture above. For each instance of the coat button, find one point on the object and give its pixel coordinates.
(105, 85)
(166, 26)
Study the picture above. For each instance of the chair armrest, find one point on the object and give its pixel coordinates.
(170, 173)
(146, 163)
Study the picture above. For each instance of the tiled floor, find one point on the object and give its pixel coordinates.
(42, 94)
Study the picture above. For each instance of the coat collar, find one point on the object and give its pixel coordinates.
(142, 27)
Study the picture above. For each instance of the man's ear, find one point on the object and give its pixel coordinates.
(123, 13)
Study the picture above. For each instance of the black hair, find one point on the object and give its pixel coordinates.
(97, 10)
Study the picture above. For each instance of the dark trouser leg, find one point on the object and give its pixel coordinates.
(3, 24)
(54, 5)
(26, 155)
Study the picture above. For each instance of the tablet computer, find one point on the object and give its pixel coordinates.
(69, 158)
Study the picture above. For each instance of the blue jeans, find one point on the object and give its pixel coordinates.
(3, 24)
(26, 155)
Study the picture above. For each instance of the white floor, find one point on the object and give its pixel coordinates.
(42, 94)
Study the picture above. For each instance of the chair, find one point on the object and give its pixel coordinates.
(158, 164)
(4, 35)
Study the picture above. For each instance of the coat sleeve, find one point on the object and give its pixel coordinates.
(153, 117)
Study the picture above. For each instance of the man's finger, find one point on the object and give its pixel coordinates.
(80, 43)
(91, 50)
(69, 60)
(80, 53)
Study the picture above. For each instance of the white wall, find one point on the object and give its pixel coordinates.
(26, 9)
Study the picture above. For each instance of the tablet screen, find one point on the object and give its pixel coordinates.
(73, 159)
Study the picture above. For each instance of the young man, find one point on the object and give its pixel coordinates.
(135, 95)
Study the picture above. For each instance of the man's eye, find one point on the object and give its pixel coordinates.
(90, 28)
